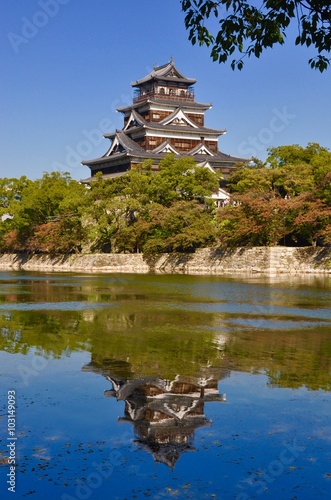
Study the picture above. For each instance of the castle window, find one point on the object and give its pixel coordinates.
(179, 144)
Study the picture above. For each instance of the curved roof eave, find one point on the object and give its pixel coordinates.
(162, 73)
(165, 103)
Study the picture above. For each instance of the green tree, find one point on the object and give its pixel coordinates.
(250, 178)
(288, 170)
(11, 191)
(46, 214)
(294, 154)
(297, 169)
(123, 210)
(181, 179)
(181, 227)
(114, 205)
(247, 29)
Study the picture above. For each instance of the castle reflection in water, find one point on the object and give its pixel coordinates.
(165, 413)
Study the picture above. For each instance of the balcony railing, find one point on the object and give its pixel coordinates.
(178, 94)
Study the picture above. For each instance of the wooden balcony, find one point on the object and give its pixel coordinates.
(168, 94)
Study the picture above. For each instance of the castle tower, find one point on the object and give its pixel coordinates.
(163, 118)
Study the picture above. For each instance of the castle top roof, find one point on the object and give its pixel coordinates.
(167, 72)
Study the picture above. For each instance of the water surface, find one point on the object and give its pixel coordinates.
(167, 386)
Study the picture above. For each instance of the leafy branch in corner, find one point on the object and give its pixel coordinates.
(249, 30)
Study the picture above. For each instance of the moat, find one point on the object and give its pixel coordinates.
(166, 386)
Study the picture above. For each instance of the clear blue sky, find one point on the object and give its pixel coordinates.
(67, 65)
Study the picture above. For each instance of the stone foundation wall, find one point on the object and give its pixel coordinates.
(267, 260)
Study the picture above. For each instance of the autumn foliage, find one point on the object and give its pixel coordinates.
(284, 201)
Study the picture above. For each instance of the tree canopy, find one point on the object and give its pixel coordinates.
(45, 215)
(247, 30)
(153, 211)
(285, 200)
(143, 210)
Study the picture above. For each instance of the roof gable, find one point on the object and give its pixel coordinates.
(123, 144)
(206, 164)
(135, 120)
(165, 147)
(179, 118)
(166, 71)
(116, 147)
(201, 149)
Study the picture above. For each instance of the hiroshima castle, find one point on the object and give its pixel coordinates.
(163, 118)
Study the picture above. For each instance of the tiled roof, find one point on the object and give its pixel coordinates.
(169, 128)
(237, 159)
(104, 176)
(217, 161)
(165, 103)
(128, 143)
(183, 128)
(136, 117)
(166, 72)
(132, 149)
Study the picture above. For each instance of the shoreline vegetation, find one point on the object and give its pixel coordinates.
(283, 202)
(204, 261)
